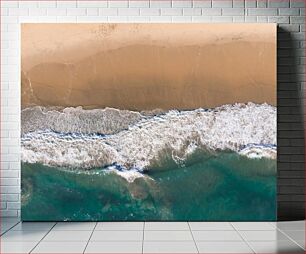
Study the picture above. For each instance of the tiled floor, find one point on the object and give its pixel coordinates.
(152, 237)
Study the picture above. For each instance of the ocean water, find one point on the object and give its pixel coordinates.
(119, 165)
(210, 187)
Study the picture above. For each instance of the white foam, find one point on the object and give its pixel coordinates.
(259, 151)
(129, 175)
(77, 120)
(231, 127)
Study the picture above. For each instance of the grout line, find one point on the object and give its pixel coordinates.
(247, 243)
(10, 228)
(43, 238)
(290, 238)
(143, 231)
(193, 237)
(90, 237)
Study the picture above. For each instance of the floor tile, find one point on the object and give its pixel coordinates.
(166, 226)
(276, 247)
(17, 247)
(33, 226)
(69, 226)
(69, 236)
(3, 230)
(101, 236)
(211, 226)
(274, 235)
(169, 247)
(119, 226)
(114, 247)
(297, 235)
(5, 226)
(291, 225)
(223, 247)
(252, 226)
(22, 236)
(167, 236)
(301, 243)
(8, 224)
(216, 236)
(273, 223)
(60, 247)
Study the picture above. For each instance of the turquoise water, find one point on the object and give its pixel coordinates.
(210, 187)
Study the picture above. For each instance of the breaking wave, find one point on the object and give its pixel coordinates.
(127, 140)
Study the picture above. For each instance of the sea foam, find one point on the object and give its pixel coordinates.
(77, 120)
(249, 129)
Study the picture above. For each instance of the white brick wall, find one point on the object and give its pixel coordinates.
(289, 13)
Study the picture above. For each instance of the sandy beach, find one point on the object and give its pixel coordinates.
(148, 66)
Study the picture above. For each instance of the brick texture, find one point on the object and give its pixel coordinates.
(289, 14)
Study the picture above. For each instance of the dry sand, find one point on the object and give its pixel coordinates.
(147, 66)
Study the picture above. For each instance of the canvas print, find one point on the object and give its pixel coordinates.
(148, 122)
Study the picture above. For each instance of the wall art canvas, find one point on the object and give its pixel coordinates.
(148, 122)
